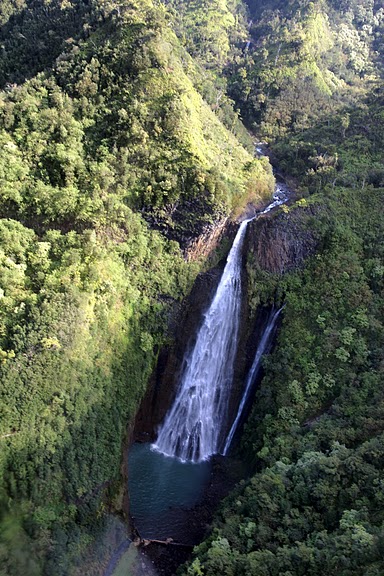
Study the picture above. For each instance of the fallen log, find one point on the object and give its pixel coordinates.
(138, 540)
(167, 542)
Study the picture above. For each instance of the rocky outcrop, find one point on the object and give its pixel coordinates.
(280, 242)
(277, 243)
(209, 240)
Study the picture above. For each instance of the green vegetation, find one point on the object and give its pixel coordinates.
(121, 141)
(111, 163)
(315, 436)
(307, 60)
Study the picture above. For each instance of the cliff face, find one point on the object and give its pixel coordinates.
(276, 243)
(163, 383)
(280, 243)
(203, 245)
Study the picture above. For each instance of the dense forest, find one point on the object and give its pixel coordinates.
(113, 159)
(126, 131)
(311, 84)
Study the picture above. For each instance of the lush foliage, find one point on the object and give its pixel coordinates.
(119, 144)
(111, 162)
(118, 123)
(315, 437)
(305, 61)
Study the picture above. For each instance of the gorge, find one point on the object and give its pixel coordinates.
(127, 133)
(170, 477)
(196, 426)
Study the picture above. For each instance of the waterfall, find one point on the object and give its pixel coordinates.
(261, 349)
(192, 429)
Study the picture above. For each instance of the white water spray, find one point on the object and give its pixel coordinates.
(192, 429)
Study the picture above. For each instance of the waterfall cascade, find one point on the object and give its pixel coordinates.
(192, 429)
(194, 426)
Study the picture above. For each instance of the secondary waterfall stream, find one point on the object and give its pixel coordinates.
(261, 349)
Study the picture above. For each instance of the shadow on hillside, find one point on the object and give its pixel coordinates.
(34, 37)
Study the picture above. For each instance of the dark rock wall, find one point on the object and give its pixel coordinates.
(203, 245)
(276, 243)
(163, 383)
(280, 242)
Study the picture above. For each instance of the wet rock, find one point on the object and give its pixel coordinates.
(163, 383)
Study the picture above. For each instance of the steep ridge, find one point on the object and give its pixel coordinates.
(112, 164)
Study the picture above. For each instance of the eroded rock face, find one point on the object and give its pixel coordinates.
(203, 245)
(281, 242)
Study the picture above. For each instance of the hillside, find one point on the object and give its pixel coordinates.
(315, 434)
(123, 142)
(112, 162)
(306, 61)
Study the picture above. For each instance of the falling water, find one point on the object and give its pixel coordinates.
(261, 349)
(192, 429)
